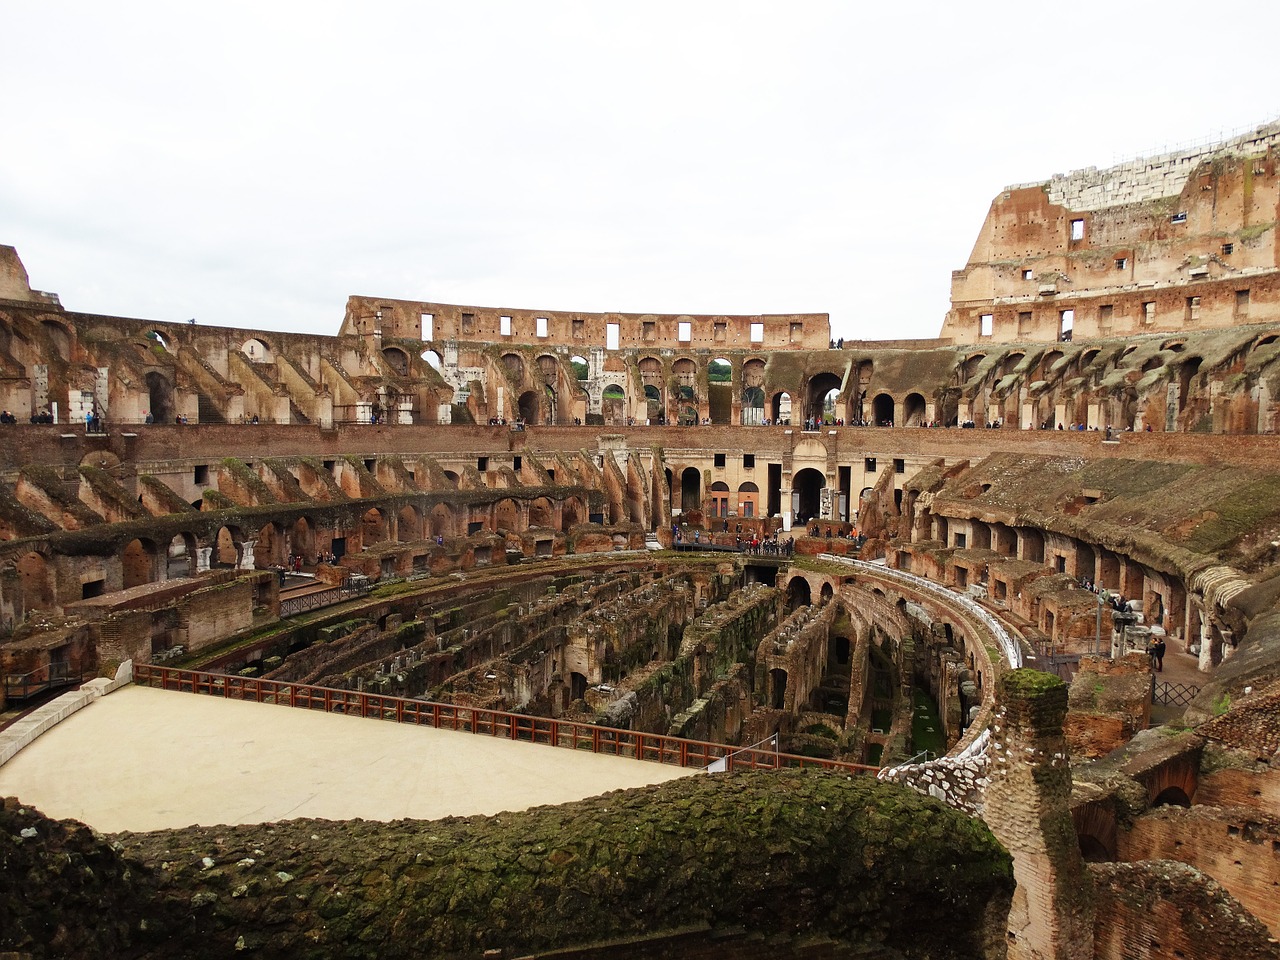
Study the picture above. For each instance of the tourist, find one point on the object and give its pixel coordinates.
(1158, 651)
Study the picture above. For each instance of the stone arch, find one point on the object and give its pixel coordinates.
(913, 410)
(882, 410)
(806, 494)
(271, 548)
(613, 405)
(1265, 340)
(59, 337)
(257, 350)
(442, 521)
(527, 407)
(823, 390)
(799, 593)
(720, 390)
(180, 556)
(373, 527)
(969, 369)
(718, 501)
(1172, 796)
(547, 367)
(1047, 362)
(572, 512)
(506, 516)
(432, 359)
(581, 368)
(748, 499)
(515, 365)
(690, 489)
(396, 359)
(781, 408)
(159, 396)
(302, 538)
(827, 592)
(408, 524)
(541, 513)
(1009, 365)
(138, 563)
(155, 339)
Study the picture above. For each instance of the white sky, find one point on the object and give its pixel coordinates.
(254, 163)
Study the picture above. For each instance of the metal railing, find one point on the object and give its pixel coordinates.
(569, 734)
(22, 686)
(293, 606)
(1175, 694)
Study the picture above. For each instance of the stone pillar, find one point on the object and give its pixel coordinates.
(246, 555)
(1027, 808)
(202, 559)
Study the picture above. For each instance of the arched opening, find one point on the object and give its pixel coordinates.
(302, 539)
(826, 593)
(882, 410)
(613, 405)
(581, 369)
(577, 686)
(690, 489)
(841, 651)
(823, 390)
(748, 499)
(432, 359)
(1186, 376)
(913, 410)
(653, 404)
(514, 365)
(528, 406)
(180, 558)
(1172, 797)
(408, 524)
(441, 521)
(572, 513)
(1032, 545)
(1092, 850)
(798, 594)
(550, 393)
(396, 359)
(59, 339)
(137, 564)
(720, 390)
(256, 350)
(718, 501)
(540, 513)
(782, 408)
(452, 477)
(373, 527)
(753, 392)
(778, 689)
(157, 342)
(806, 494)
(159, 397)
(269, 549)
(506, 516)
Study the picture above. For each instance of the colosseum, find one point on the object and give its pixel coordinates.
(970, 646)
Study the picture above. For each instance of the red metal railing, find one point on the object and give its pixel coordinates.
(654, 747)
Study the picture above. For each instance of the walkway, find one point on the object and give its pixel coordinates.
(143, 759)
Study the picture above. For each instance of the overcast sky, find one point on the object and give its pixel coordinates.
(253, 164)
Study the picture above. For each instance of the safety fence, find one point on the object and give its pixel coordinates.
(292, 606)
(51, 676)
(1172, 694)
(633, 744)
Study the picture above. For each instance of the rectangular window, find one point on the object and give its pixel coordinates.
(1028, 275)
(504, 326)
(1122, 263)
(482, 464)
(649, 330)
(720, 330)
(579, 329)
(684, 331)
(1104, 316)
(748, 461)
(899, 465)
(1149, 312)
(428, 326)
(719, 459)
(985, 323)
(1066, 323)
(1242, 303)
(202, 475)
(1193, 308)
(1024, 323)
(1077, 229)
(517, 462)
(611, 336)
(757, 333)
(748, 508)
(1228, 249)
(1178, 218)
(540, 323)
(960, 541)
(469, 323)
(797, 332)
(869, 464)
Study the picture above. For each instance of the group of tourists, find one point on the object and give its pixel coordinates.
(768, 547)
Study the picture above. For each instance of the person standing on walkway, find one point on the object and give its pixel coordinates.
(1158, 653)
